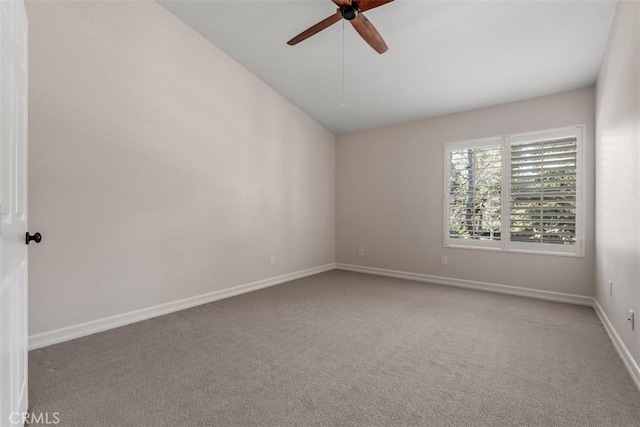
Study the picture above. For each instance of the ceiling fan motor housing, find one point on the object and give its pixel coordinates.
(349, 12)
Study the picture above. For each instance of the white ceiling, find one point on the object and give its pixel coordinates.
(444, 56)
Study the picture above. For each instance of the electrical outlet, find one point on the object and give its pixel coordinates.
(444, 260)
(632, 319)
(610, 288)
(361, 251)
(272, 260)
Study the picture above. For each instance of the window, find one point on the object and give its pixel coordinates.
(475, 188)
(515, 192)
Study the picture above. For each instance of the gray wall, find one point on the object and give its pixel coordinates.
(160, 169)
(618, 177)
(389, 198)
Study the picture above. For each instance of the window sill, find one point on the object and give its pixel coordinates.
(516, 250)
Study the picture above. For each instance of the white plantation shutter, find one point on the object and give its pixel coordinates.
(543, 201)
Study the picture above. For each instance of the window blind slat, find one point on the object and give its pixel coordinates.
(537, 154)
(550, 142)
(527, 179)
(535, 163)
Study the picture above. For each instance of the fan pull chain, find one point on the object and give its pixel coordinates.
(342, 103)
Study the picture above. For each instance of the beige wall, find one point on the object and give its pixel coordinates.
(389, 198)
(160, 168)
(618, 177)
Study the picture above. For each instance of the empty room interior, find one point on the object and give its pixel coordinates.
(320, 212)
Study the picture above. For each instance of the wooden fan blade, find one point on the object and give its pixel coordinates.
(370, 4)
(369, 33)
(316, 28)
(342, 2)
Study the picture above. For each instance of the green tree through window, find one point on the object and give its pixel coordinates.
(475, 191)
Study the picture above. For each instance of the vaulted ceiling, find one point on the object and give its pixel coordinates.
(443, 57)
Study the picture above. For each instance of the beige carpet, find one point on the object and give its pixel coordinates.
(344, 349)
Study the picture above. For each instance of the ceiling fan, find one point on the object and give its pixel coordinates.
(351, 10)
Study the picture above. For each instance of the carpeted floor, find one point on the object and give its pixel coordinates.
(344, 349)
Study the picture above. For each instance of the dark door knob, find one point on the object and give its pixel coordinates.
(36, 238)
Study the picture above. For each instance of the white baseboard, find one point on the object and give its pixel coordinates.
(76, 331)
(626, 357)
(471, 284)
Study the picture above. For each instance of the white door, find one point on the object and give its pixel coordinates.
(13, 212)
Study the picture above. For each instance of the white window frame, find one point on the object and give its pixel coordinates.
(505, 244)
